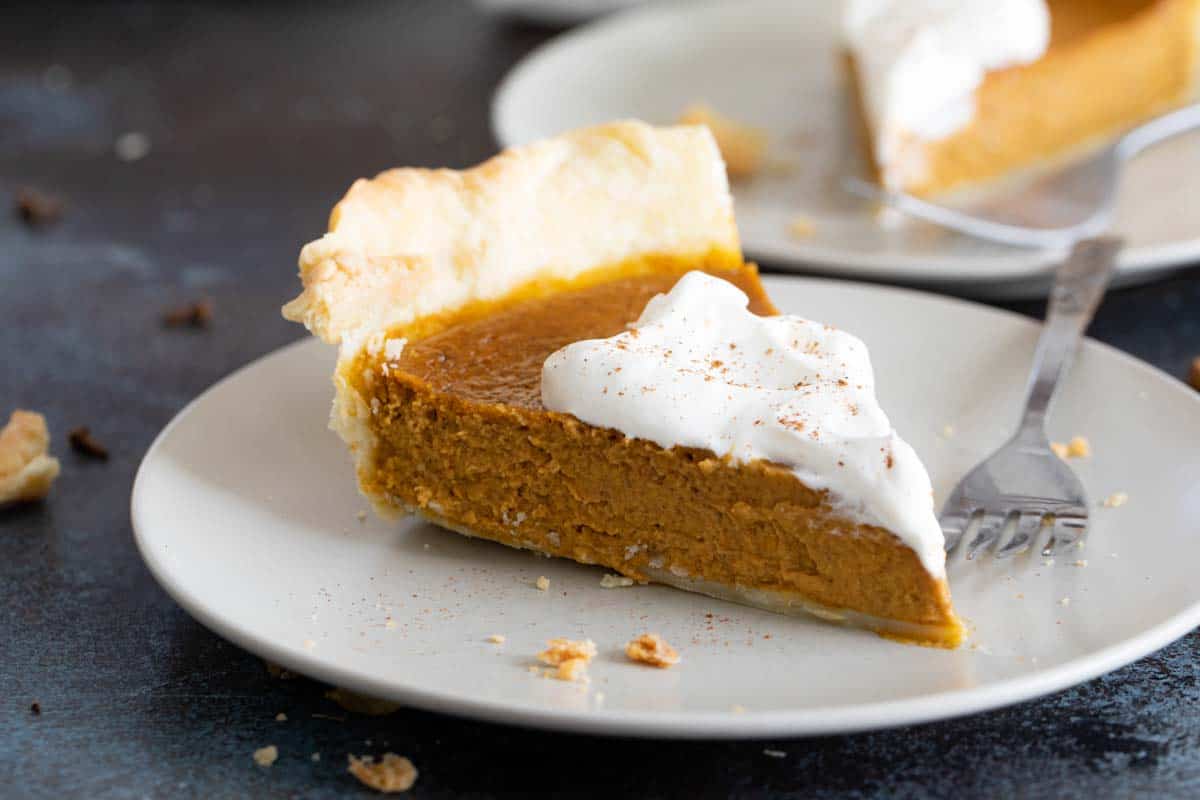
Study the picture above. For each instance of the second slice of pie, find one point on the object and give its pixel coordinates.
(954, 93)
(563, 350)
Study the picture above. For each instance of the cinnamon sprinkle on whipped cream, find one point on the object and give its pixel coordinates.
(698, 369)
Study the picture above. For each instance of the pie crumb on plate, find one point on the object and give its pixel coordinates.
(801, 227)
(1116, 500)
(652, 649)
(570, 656)
(1078, 447)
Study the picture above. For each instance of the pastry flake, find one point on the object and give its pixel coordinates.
(570, 658)
(417, 242)
(27, 470)
(1116, 500)
(1078, 447)
(652, 649)
(266, 756)
(391, 774)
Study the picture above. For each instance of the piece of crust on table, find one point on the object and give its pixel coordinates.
(27, 470)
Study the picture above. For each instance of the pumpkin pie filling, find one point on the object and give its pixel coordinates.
(465, 441)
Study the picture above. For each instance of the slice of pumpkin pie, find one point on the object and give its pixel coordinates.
(563, 350)
(956, 93)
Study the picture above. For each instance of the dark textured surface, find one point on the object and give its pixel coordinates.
(258, 115)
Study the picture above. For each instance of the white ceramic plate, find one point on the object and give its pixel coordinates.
(245, 511)
(777, 64)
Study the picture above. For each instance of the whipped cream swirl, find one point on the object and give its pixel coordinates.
(698, 369)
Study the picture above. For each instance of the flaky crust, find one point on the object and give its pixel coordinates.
(415, 242)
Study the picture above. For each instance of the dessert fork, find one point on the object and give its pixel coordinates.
(1024, 482)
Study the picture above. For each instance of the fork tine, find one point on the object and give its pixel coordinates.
(1029, 524)
(1066, 532)
(990, 529)
(954, 525)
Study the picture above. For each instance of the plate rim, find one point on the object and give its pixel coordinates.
(680, 725)
(1017, 265)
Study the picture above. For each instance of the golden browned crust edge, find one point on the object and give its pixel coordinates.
(411, 243)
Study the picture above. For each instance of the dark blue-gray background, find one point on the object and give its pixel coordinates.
(259, 115)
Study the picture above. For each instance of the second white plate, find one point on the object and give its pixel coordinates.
(245, 510)
(777, 64)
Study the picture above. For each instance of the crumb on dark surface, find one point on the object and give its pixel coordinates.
(35, 708)
(36, 208)
(195, 315)
(389, 774)
(1194, 375)
(85, 444)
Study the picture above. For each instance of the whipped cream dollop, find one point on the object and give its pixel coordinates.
(920, 61)
(698, 369)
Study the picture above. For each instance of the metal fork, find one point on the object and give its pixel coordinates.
(1024, 480)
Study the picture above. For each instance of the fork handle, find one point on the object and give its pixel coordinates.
(1079, 284)
(1151, 133)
